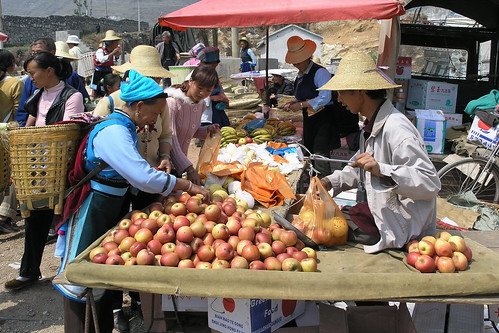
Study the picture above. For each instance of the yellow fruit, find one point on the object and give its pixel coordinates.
(214, 187)
(339, 226)
(221, 192)
(267, 220)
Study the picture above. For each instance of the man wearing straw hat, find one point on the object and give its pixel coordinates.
(105, 57)
(396, 182)
(324, 120)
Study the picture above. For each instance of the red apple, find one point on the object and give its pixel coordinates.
(224, 251)
(257, 265)
(311, 253)
(167, 208)
(425, 263)
(193, 205)
(278, 247)
(126, 243)
(165, 234)
(125, 224)
(168, 247)
(274, 226)
(290, 250)
(185, 234)
(143, 235)
(220, 231)
(170, 259)
(430, 239)
(445, 264)
(282, 256)
(460, 261)
(308, 264)
(299, 255)
(412, 246)
(241, 245)
(252, 223)
(153, 215)
(209, 225)
(136, 215)
(208, 239)
(220, 264)
(217, 242)
(186, 263)
(198, 229)
(251, 252)
(291, 264)
(183, 250)
(239, 263)
(97, 250)
(265, 250)
(178, 209)
(110, 246)
(206, 253)
(133, 229)
(119, 235)
(180, 221)
(288, 237)
(445, 235)
(213, 212)
(154, 246)
(201, 218)
(458, 244)
(246, 233)
(163, 219)
(99, 258)
(468, 253)
(443, 248)
(412, 257)
(136, 247)
(115, 259)
(191, 217)
(184, 197)
(262, 237)
(233, 224)
(272, 264)
(427, 248)
(233, 240)
(229, 208)
(150, 224)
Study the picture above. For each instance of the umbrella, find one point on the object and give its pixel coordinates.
(3, 37)
(243, 13)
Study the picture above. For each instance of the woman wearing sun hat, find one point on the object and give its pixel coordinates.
(248, 57)
(105, 57)
(73, 41)
(145, 100)
(324, 120)
(393, 168)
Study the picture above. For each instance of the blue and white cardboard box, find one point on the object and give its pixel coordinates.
(431, 124)
(251, 315)
(484, 133)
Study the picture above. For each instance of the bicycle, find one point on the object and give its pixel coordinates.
(478, 174)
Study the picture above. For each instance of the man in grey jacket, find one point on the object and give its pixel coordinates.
(396, 181)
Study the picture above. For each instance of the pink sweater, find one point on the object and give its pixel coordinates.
(185, 120)
(74, 104)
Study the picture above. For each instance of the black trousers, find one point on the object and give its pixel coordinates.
(74, 316)
(36, 231)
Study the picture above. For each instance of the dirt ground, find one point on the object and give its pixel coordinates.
(39, 308)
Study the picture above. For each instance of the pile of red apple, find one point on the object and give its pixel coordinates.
(444, 252)
(183, 232)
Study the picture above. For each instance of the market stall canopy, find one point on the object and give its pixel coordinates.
(241, 13)
(3, 37)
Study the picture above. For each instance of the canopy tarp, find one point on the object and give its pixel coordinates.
(243, 13)
(3, 37)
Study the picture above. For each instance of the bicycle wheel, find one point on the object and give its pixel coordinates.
(466, 175)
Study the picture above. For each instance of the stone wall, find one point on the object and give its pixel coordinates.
(23, 30)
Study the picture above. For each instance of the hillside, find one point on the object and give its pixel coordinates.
(150, 10)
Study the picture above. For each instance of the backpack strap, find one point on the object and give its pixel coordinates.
(85, 179)
(111, 103)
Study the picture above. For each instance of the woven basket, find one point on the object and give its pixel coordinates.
(40, 159)
(4, 162)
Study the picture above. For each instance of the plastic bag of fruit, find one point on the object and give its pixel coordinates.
(320, 218)
(209, 153)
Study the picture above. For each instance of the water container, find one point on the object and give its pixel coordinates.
(181, 73)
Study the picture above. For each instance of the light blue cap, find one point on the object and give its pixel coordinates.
(138, 88)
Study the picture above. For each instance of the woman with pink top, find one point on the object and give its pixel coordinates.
(186, 106)
(53, 101)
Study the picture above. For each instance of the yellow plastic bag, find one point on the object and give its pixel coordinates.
(320, 218)
(209, 153)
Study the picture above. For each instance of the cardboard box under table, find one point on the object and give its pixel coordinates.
(344, 274)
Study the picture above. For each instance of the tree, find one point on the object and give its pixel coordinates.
(81, 7)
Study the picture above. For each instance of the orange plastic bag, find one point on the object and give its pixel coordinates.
(221, 169)
(320, 218)
(268, 187)
(209, 153)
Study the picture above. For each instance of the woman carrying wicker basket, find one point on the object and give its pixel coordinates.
(53, 101)
(103, 206)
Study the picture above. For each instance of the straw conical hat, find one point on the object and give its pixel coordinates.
(299, 49)
(357, 71)
(145, 60)
(62, 50)
(110, 36)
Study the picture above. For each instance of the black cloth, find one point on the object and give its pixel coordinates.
(56, 110)
(285, 88)
(37, 228)
(169, 57)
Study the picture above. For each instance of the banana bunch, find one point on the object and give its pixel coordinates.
(241, 133)
(229, 135)
(261, 135)
(285, 128)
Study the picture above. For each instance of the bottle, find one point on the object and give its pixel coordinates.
(400, 100)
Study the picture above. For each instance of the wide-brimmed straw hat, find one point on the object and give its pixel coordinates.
(62, 50)
(357, 71)
(73, 39)
(299, 49)
(145, 60)
(244, 39)
(110, 36)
